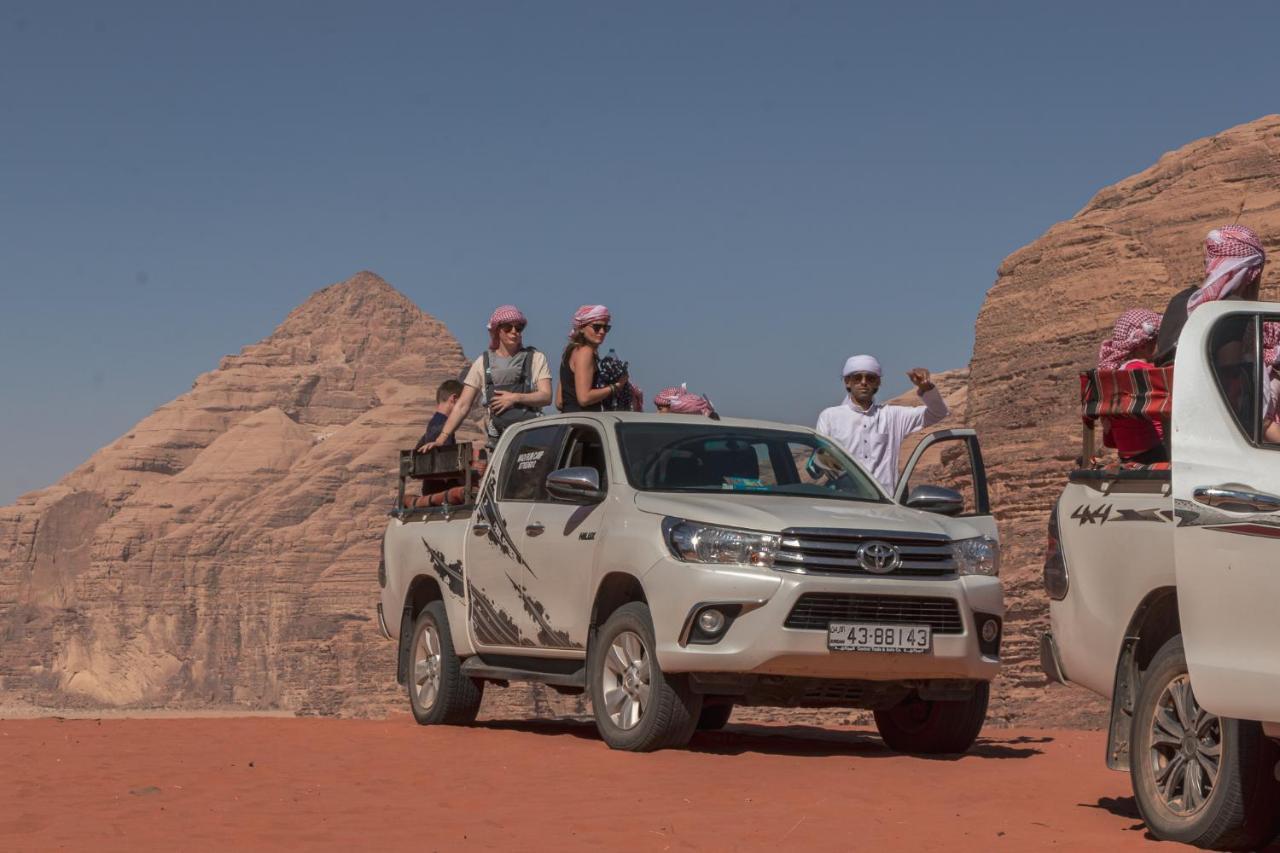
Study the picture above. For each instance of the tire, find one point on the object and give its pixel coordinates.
(637, 708)
(1235, 808)
(438, 691)
(929, 727)
(714, 716)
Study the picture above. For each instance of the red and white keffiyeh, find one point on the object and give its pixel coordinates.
(1233, 258)
(1135, 327)
(682, 402)
(501, 315)
(586, 315)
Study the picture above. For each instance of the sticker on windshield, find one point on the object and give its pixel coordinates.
(525, 461)
(745, 484)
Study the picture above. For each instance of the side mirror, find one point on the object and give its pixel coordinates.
(578, 485)
(936, 499)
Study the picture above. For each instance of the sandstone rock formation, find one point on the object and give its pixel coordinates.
(1134, 244)
(224, 551)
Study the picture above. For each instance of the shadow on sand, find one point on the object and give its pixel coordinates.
(785, 740)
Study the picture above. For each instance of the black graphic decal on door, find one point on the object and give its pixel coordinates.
(547, 633)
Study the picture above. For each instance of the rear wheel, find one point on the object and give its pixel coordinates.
(1199, 778)
(714, 716)
(438, 691)
(637, 707)
(930, 727)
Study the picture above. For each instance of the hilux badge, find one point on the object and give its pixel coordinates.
(879, 557)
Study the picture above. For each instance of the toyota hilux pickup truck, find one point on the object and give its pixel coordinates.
(673, 566)
(1164, 585)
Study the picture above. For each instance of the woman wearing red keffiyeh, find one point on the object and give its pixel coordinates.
(580, 361)
(513, 380)
(1130, 347)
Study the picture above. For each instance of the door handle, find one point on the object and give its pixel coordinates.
(1239, 500)
(534, 529)
(480, 528)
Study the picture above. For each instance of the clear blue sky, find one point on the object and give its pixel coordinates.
(757, 190)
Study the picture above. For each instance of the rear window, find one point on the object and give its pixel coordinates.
(714, 458)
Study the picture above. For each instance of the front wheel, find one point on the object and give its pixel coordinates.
(930, 727)
(637, 707)
(1199, 778)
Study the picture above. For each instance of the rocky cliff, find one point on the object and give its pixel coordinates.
(223, 552)
(1134, 244)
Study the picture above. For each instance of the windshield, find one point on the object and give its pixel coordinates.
(716, 458)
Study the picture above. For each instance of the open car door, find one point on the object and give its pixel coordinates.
(952, 459)
(1226, 491)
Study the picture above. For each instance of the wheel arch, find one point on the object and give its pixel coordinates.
(1154, 623)
(422, 591)
(615, 590)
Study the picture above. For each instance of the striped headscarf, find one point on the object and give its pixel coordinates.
(503, 314)
(681, 401)
(1233, 259)
(586, 315)
(1135, 327)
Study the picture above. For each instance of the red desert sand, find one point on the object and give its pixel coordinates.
(263, 783)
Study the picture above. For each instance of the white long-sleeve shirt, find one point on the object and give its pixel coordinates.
(874, 436)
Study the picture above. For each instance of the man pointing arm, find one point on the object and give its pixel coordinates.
(872, 432)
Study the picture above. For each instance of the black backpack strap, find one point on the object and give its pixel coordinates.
(526, 370)
(486, 392)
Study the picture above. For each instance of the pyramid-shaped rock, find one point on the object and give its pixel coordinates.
(224, 551)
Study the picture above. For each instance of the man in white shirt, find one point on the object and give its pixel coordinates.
(872, 432)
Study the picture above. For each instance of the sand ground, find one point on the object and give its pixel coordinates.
(271, 783)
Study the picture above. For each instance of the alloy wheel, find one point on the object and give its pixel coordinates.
(626, 675)
(426, 666)
(1186, 749)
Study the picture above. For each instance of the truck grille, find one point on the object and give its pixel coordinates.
(814, 611)
(835, 551)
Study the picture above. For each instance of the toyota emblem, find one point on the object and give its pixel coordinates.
(879, 557)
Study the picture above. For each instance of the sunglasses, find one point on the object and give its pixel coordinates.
(600, 328)
(508, 327)
(866, 378)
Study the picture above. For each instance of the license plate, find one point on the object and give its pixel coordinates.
(869, 637)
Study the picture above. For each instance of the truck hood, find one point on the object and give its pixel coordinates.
(774, 513)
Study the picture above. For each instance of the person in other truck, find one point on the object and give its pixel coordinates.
(1233, 262)
(872, 432)
(446, 399)
(1131, 347)
(513, 380)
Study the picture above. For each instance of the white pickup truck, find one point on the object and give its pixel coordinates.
(1165, 595)
(673, 566)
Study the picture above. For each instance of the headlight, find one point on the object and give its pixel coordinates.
(977, 556)
(704, 543)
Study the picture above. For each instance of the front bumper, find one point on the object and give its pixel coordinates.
(757, 641)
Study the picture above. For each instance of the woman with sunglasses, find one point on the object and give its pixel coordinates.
(513, 380)
(580, 359)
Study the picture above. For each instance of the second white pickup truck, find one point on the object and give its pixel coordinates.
(673, 566)
(1165, 583)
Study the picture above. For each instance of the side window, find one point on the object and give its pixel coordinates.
(947, 463)
(530, 458)
(1242, 352)
(585, 449)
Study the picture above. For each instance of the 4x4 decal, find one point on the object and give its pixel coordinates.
(1087, 514)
